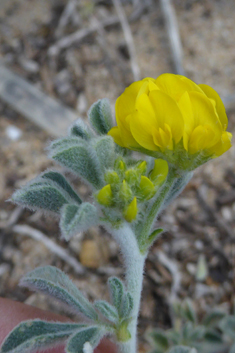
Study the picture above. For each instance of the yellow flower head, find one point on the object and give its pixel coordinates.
(173, 118)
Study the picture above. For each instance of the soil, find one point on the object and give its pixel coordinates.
(200, 223)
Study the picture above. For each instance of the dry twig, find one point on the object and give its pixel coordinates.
(51, 245)
(173, 34)
(67, 13)
(128, 38)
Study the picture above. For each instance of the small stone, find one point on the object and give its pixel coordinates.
(13, 132)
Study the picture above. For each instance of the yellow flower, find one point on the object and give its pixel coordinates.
(173, 118)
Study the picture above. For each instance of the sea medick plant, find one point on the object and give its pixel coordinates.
(177, 126)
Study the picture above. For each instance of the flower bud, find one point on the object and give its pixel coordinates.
(105, 196)
(146, 188)
(142, 167)
(111, 177)
(159, 172)
(131, 211)
(125, 193)
(131, 176)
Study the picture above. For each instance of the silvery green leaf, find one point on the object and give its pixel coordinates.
(77, 218)
(116, 290)
(80, 159)
(187, 331)
(174, 336)
(227, 325)
(160, 340)
(63, 143)
(188, 311)
(107, 310)
(127, 305)
(62, 182)
(85, 340)
(43, 196)
(197, 334)
(105, 150)
(213, 336)
(182, 349)
(100, 116)
(32, 335)
(81, 129)
(54, 282)
(213, 318)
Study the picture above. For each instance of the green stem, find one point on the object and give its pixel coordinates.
(154, 208)
(134, 266)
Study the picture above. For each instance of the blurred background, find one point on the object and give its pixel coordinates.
(78, 51)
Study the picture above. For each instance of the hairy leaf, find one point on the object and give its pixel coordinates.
(81, 129)
(116, 289)
(88, 337)
(52, 281)
(62, 182)
(41, 196)
(212, 319)
(37, 334)
(127, 305)
(189, 312)
(75, 219)
(105, 150)
(107, 310)
(227, 325)
(100, 116)
(80, 159)
(160, 340)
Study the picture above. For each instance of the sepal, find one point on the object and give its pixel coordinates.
(75, 219)
(54, 282)
(100, 116)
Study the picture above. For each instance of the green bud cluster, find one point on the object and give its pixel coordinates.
(127, 187)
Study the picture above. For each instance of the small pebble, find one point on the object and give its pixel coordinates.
(13, 132)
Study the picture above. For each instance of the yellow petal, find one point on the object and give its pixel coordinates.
(125, 104)
(204, 113)
(211, 93)
(223, 145)
(131, 211)
(141, 131)
(143, 104)
(116, 135)
(125, 133)
(105, 196)
(167, 112)
(186, 109)
(159, 172)
(202, 137)
(176, 85)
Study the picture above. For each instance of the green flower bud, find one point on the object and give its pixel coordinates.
(159, 172)
(131, 211)
(125, 193)
(120, 165)
(111, 177)
(131, 176)
(105, 196)
(142, 167)
(146, 188)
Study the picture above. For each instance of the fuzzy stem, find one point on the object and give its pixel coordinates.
(155, 208)
(134, 265)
